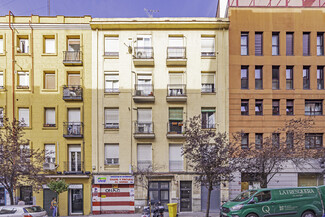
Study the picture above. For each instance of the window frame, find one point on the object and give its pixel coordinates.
(209, 53)
(114, 160)
(306, 52)
(306, 81)
(291, 53)
(245, 103)
(320, 77)
(289, 80)
(276, 86)
(112, 124)
(258, 137)
(113, 81)
(246, 36)
(244, 136)
(205, 118)
(320, 47)
(260, 70)
(244, 79)
(313, 136)
(259, 103)
(314, 112)
(275, 107)
(107, 48)
(259, 34)
(290, 107)
(46, 124)
(276, 46)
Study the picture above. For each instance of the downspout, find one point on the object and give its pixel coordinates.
(97, 89)
(32, 53)
(13, 64)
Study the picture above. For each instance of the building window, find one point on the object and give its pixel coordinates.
(320, 77)
(23, 80)
(306, 43)
(244, 107)
(320, 44)
(111, 118)
(144, 123)
(208, 47)
(289, 77)
(49, 80)
(176, 120)
(244, 77)
(1, 117)
(289, 44)
(49, 43)
(111, 82)
(111, 154)
(258, 107)
(275, 107)
(244, 43)
(275, 78)
(276, 139)
(310, 179)
(1, 50)
(290, 107)
(176, 48)
(313, 140)
(244, 140)
(275, 43)
(144, 85)
(313, 107)
(258, 140)
(50, 153)
(49, 117)
(23, 44)
(289, 140)
(1, 81)
(144, 157)
(208, 118)
(306, 78)
(258, 44)
(23, 114)
(258, 77)
(175, 158)
(207, 82)
(74, 45)
(111, 46)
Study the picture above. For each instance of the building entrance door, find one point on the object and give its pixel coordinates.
(76, 201)
(186, 196)
(159, 192)
(26, 194)
(214, 201)
(47, 198)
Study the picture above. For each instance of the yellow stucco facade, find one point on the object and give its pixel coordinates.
(51, 91)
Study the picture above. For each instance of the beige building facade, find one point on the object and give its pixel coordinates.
(150, 75)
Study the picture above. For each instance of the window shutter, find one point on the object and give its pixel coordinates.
(50, 115)
(1, 79)
(144, 115)
(24, 116)
(144, 153)
(50, 152)
(175, 42)
(111, 151)
(49, 45)
(207, 78)
(258, 44)
(74, 115)
(176, 114)
(1, 45)
(111, 44)
(289, 43)
(112, 116)
(305, 44)
(49, 81)
(175, 78)
(207, 44)
(175, 152)
(74, 79)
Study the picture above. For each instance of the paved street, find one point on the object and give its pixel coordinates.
(184, 214)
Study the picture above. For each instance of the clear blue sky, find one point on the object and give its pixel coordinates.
(111, 8)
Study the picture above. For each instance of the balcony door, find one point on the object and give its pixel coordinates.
(74, 158)
(144, 121)
(176, 87)
(176, 47)
(74, 44)
(74, 123)
(144, 41)
(73, 79)
(144, 85)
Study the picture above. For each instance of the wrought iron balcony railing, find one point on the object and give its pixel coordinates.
(175, 127)
(143, 52)
(176, 53)
(72, 56)
(143, 127)
(74, 166)
(176, 90)
(72, 92)
(73, 129)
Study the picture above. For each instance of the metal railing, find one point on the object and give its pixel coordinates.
(276, 3)
(72, 56)
(176, 90)
(208, 54)
(208, 125)
(144, 165)
(143, 52)
(143, 127)
(207, 88)
(175, 127)
(175, 165)
(111, 53)
(72, 92)
(22, 86)
(176, 52)
(74, 166)
(112, 90)
(143, 90)
(111, 125)
(73, 129)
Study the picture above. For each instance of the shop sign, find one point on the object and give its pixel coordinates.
(75, 186)
(114, 180)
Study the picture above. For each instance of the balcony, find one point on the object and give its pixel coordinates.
(208, 88)
(143, 93)
(72, 92)
(176, 93)
(144, 165)
(206, 125)
(176, 56)
(112, 90)
(176, 166)
(73, 129)
(143, 56)
(143, 130)
(175, 130)
(73, 167)
(72, 58)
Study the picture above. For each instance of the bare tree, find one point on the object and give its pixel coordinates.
(266, 157)
(207, 153)
(19, 163)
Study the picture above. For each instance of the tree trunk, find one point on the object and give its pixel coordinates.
(57, 206)
(209, 197)
(263, 181)
(11, 196)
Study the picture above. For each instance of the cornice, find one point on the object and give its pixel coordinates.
(47, 26)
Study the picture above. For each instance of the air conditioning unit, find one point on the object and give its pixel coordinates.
(138, 92)
(140, 54)
(49, 166)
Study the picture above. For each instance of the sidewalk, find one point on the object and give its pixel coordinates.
(183, 214)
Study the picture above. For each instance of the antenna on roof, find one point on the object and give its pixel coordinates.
(150, 12)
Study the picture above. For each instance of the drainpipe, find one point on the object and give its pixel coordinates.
(32, 53)
(13, 64)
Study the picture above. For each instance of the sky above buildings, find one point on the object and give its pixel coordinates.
(111, 8)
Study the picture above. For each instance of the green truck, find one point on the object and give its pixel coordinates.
(288, 202)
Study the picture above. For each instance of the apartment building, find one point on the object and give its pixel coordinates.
(276, 74)
(150, 76)
(45, 81)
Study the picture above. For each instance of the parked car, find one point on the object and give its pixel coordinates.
(291, 202)
(22, 211)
